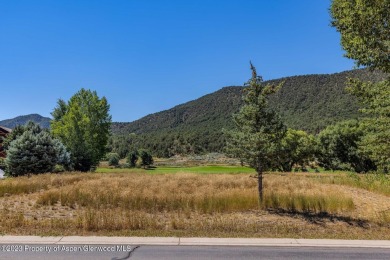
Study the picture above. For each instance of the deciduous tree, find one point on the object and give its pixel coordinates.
(365, 31)
(297, 148)
(146, 158)
(365, 36)
(113, 159)
(83, 125)
(338, 148)
(375, 98)
(132, 158)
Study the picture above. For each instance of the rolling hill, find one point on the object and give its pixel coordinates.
(308, 102)
(22, 120)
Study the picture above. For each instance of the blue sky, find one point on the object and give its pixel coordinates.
(145, 56)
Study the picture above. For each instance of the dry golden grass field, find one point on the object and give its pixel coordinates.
(296, 205)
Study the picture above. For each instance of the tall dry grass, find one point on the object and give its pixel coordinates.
(296, 193)
(379, 183)
(157, 193)
(198, 193)
(180, 204)
(35, 183)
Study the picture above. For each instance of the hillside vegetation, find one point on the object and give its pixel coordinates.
(309, 102)
(22, 120)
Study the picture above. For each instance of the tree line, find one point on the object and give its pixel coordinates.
(136, 158)
(309, 103)
(76, 140)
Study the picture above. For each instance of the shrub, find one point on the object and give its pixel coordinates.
(146, 158)
(113, 159)
(338, 148)
(132, 158)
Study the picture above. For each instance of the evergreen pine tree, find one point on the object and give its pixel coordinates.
(258, 131)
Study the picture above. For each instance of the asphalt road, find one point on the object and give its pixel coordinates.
(35, 252)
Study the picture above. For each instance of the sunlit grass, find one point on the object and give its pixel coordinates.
(330, 204)
(379, 183)
(195, 169)
(24, 185)
(156, 193)
(35, 183)
(192, 204)
(220, 193)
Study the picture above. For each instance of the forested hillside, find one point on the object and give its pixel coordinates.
(22, 120)
(309, 102)
(313, 102)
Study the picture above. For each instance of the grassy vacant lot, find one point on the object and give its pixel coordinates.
(197, 201)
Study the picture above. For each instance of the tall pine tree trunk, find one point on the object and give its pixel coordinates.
(260, 186)
(260, 183)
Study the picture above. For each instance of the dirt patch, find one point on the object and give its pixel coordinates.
(368, 204)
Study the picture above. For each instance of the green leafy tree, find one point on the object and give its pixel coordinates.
(338, 148)
(258, 131)
(376, 103)
(365, 31)
(122, 144)
(146, 158)
(132, 158)
(31, 153)
(297, 148)
(113, 159)
(365, 35)
(83, 126)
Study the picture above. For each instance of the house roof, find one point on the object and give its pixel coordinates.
(5, 129)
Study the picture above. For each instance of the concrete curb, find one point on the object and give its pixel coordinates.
(177, 241)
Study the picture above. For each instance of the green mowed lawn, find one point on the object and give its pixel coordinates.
(196, 169)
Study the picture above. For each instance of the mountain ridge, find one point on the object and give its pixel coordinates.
(289, 85)
(305, 102)
(23, 119)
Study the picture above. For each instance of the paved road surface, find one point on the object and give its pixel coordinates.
(189, 252)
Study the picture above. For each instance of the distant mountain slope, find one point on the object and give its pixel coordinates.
(309, 102)
(22, 120)
(212, 108)
(312, 102)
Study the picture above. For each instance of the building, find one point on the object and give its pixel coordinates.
(4, 131)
